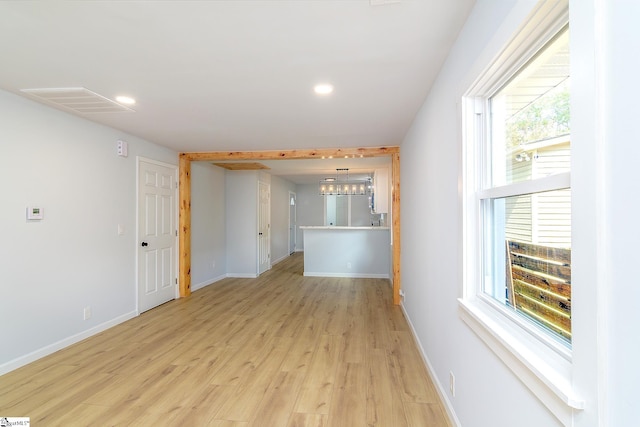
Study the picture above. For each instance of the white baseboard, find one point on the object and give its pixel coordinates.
(441, 390)
(282, 258)
(350, 275)
(242, 275)
(207, 282)
(66, 342)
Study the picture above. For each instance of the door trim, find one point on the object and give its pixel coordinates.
(259, 219)
(176, 170)
(185, 196)
(294, 196)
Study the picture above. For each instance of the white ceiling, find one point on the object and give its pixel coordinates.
(237, 75)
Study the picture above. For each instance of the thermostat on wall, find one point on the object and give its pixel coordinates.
(34, 213)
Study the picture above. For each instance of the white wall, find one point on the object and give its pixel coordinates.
(242, 223)
(74, 258)
(208, 224)
(487, 393)
(310, 209)
(605, 232)
(280, 217)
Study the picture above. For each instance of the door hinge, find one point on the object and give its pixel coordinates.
(176, 280)
(176, 233)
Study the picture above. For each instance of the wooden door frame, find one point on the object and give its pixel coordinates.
(185, 196)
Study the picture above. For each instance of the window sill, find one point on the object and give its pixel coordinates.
(545, 372)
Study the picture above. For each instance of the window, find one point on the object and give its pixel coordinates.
(525, 202)
(517, 208)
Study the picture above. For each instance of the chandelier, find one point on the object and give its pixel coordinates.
(341, 185)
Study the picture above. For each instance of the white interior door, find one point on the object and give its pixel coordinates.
(264, 237)
(292, 222)
(157, 234)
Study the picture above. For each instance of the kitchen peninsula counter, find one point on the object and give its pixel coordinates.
(331, 251)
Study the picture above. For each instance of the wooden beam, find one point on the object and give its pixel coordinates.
(293, 154)
(395, 209)
(239, 166)
(185, 227)
(185, 195)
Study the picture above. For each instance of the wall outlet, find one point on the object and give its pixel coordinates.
(213, 264)
(452, 384)
(87, 313)
(349, 266)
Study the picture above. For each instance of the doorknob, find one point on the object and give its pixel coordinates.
(145, 244)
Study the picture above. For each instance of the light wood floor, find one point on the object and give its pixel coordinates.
(281, 350)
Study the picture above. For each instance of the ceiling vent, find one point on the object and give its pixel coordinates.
(76, 99)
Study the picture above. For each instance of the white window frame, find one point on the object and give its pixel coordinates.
(544, 365)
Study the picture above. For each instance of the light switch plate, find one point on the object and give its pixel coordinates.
(122, 148)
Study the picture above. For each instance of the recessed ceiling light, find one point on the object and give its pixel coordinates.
(125, 100)
(323, 89)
